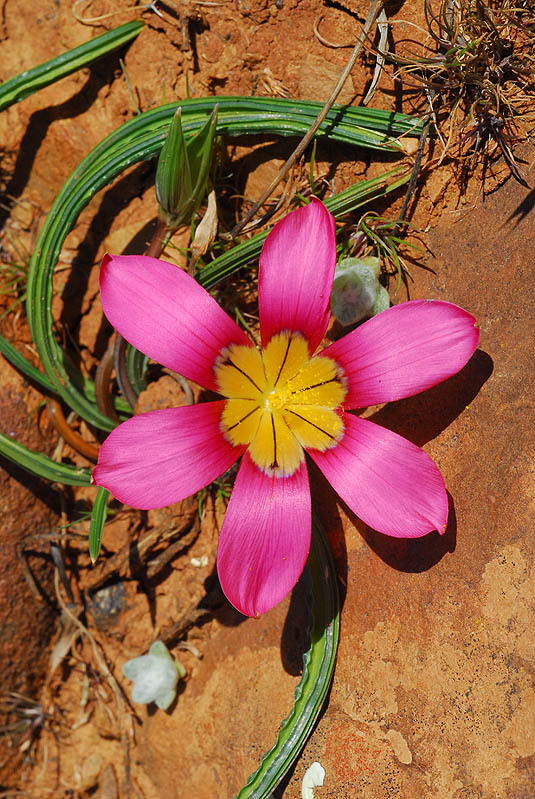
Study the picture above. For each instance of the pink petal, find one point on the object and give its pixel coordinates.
(161, 457)
(391, 484)
(164, 312)
(404, 350)
(296, 274)
(265, 537)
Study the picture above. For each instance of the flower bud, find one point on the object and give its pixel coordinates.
(356, 292)
(183, 171)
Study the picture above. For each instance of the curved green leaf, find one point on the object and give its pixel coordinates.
(318, 668)
(339, 204)
(21, 363)
(21, 86)
(41, 465)
(98, 520)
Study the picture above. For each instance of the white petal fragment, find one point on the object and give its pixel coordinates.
(155, 676)
(314, 776)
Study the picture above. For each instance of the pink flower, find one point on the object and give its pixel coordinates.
(278, 403)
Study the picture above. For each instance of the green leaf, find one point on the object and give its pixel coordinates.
(348, 200)
(98, 520)
(21, 86)
(41, 465)
(200, 149)
(136, 364)
(23, 365)
(173, 179)
(318, 669)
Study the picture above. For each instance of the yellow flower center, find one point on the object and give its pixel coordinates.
(280, 401)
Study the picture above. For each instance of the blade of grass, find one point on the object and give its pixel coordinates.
(41, 465)
(340, 204)
(318, 668)
(21, 363)
(21, 86)
(98, 520)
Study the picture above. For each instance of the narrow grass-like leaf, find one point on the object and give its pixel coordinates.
(136, 364)
(26, 83)
(23, 365)
(318, 668)
(98, 520)
(173, 174)
(41, 465)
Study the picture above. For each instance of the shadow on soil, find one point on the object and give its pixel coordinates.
(102, 74)
(419, 419)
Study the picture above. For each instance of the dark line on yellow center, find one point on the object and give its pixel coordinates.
(283, 361)
(275, 464)
(243, 418)
(304, 419)
(316, 385)
(228, 362)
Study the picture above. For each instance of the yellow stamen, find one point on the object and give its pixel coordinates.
(280, 401)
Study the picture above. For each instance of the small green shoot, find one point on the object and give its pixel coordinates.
(380, 234)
